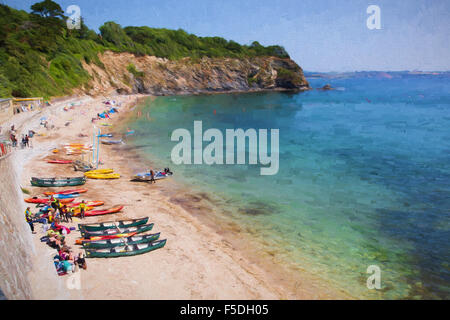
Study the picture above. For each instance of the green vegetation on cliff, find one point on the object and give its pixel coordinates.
(40, 56)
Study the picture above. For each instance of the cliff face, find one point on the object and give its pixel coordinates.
(126, 73)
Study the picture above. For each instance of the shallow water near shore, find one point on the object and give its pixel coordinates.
(363, 180)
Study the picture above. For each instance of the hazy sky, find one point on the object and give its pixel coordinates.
(320, 35)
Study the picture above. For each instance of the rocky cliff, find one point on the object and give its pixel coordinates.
(126, 73)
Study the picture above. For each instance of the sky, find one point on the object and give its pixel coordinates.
(320, 35)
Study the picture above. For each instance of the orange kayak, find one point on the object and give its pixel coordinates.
(93, 213)
(66, 192)
(46, 201)
(108, 237)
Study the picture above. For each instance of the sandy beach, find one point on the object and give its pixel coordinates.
(197, 261)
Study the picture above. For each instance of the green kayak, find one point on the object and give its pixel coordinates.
(112, 225)
(59, 179)
(108, 232)
(111, 243)
(57, 182)
(130, 250)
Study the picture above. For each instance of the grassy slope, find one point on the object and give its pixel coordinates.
(41, 57)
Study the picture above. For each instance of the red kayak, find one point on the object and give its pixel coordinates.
(93, 213)
(88, 204)
(60, 161)
(113, 236)
(66, 192)
(46, 201)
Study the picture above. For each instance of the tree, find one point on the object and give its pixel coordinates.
(47, 9)
(113, 32)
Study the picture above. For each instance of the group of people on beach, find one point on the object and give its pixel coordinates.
(25, 138)
(105, 114)
(54, 214)
(65, 260)
(61, 211)
(51, 216)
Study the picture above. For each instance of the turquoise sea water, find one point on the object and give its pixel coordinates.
(364, 177)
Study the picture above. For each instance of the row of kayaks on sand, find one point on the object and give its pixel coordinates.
(102, 239)
(113, 238)
(90, 205)
(93, 174)
(118, 238)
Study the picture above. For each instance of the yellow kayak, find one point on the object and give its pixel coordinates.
(77, 209)
(102, 175)
(99, 171)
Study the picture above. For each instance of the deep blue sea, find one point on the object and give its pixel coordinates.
(364, 177)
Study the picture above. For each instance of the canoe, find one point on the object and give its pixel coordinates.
(102, 175)
(60, 161)
(93, 213)
(137, 229)
(107, 237)
(112, 224)
(66, 192)
(44, 201)
(58, 179)
(99, 171)
(106, 135)
(88, 203)
(145, 176)
(109, 142)
(104, 244)
(123, 251)
(58, 183)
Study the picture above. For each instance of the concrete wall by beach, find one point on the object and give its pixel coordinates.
(6, 110)
(16, 244)
(26, 272)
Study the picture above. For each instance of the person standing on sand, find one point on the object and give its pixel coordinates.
(70, 214)
(53, 203)
(59, 207)
(82, 209)
(13, 139)
(152, 176)
(29, 219)
(64, 213)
